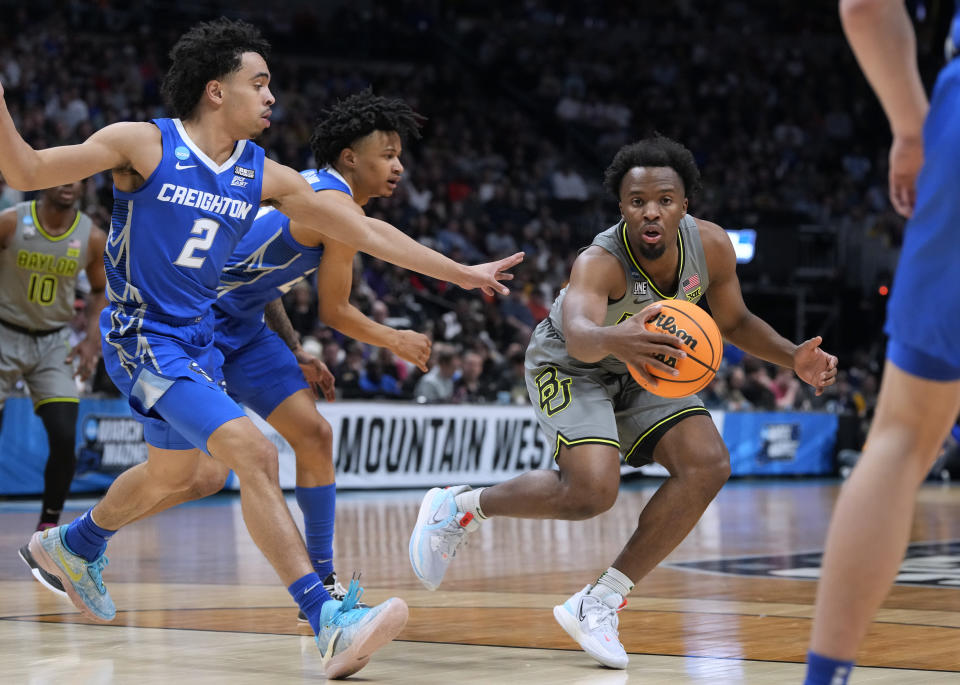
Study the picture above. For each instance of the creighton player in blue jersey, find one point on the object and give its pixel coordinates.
(920, 394)
(186, 190)
(358, 145)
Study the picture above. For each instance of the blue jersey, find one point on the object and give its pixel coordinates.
(268, 261)
(170, 238)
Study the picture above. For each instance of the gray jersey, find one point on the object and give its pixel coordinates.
(38, 272)
(577, 403)
(691, 283)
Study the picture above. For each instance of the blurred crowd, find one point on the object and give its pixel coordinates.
(526, 104)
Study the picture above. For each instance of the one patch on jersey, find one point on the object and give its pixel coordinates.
(181, 152)
(693, 295)
(243, 171)
(928, 564)
(239, 182)
(639, 288)
(691, 283)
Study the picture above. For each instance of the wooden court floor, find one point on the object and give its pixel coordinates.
(198, 604)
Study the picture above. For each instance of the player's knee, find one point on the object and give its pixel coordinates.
(709, 470)
(209, 478)
(585, 503)
(258, 457)
(315, 435)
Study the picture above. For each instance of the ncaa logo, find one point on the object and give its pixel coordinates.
(181, 152)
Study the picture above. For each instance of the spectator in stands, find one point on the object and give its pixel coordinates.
(437, 384)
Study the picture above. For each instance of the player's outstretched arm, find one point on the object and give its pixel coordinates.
(109, 148)
(336, 216)
(748, 331)
(334, 281)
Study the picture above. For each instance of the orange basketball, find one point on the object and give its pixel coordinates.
(701, 341)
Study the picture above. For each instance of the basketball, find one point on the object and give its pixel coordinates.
(701, 341)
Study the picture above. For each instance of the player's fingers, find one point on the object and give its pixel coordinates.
(663, 343)
(504, 276)
(652, 312)
(510, 261)
(661, 366)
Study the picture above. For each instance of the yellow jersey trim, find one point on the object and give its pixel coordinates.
(53, 238)
(636, 263)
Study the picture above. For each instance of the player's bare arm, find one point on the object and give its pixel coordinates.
(125, 145)
(8, 226)
(883, 40)
(334, 281)
(342, 219)
(87, 351)
(748, 331)
(596, 278)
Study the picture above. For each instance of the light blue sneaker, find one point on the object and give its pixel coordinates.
(349, 634)
(79, 578)
(440, 530)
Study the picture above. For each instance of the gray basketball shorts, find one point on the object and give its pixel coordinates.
(579, 404)
(41, 362)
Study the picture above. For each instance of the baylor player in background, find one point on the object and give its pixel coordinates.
(44, 245)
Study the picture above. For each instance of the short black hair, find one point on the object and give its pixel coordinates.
(210, 50)
(657, 151)
(357, 116)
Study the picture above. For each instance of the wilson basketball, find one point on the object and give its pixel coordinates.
(701, 341)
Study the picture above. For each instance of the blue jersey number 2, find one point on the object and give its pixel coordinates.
(204, 230)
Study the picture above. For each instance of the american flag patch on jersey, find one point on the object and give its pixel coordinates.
(690, 283)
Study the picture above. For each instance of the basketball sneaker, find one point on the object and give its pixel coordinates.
(593, 622)
(440, 530)
(335, 589)
(349, 634)
(53, 564)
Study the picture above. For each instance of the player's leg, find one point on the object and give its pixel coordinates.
(297, 420)
(577, 417)
(56, 402)
(682, 437)
(60, 421)
(871, 524)
(70, 558)
(694, 454)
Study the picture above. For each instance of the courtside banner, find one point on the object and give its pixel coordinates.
(397, 445)
(383, 445)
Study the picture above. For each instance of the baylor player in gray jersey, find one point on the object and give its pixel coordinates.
(593, 410)
(44, 245)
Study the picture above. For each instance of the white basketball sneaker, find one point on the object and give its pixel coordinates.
(593, 622)
(440, 530)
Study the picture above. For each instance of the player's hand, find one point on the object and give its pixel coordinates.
(87, 354)
(640, 347)
(413, 347)
(813, 365)
(317, 375)
(906, 158)
(487, 276)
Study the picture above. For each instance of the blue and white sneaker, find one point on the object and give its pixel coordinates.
(593, 623)
(60, 570)
(440, 530)
(349, 635)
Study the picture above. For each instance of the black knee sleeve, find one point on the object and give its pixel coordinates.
(60, 421)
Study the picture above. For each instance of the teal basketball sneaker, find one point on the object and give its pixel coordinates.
(349, 635)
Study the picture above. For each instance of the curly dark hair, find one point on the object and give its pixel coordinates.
(359, 115)
(210, 50)
(652, 152)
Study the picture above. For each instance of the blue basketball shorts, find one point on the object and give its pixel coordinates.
(169, 371)
(259, 369)
(923, 315)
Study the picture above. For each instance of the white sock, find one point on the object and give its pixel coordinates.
(611, 581)
(469, 501)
